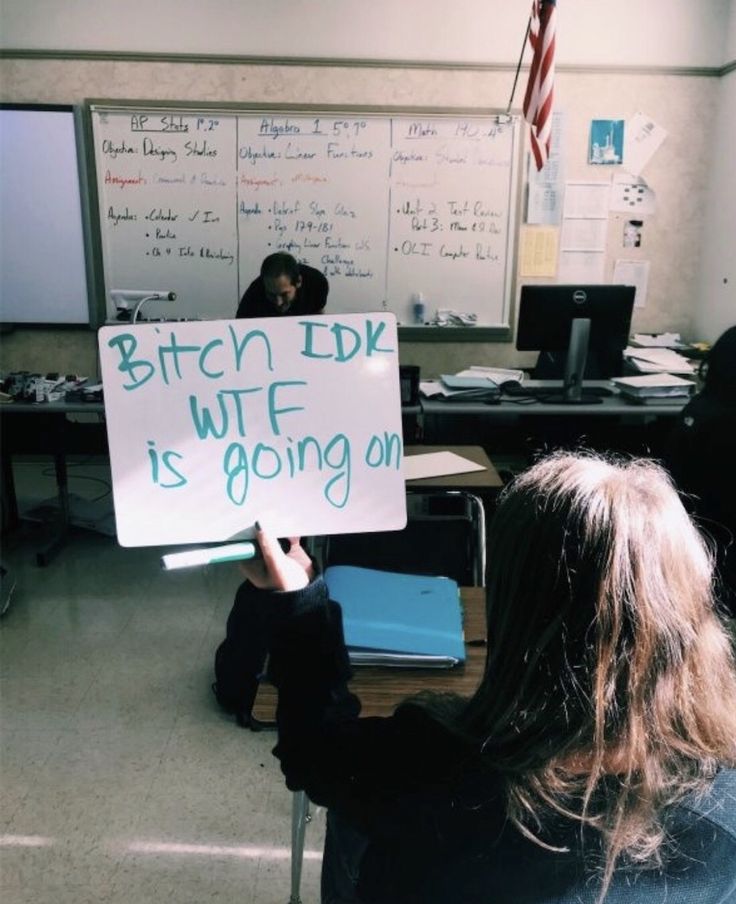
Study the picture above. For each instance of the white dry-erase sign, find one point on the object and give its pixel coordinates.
(292, 421)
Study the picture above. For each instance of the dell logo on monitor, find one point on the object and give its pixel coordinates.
(579, 296)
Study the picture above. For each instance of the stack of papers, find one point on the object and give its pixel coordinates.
(656, 340)
(657, 360)
(401, 620)
(438, 389)
(475, 383)
(655, 386)
(497, 374)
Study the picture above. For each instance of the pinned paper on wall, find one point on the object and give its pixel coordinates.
(632, 233)
(606, 142)
(643, 138)
(213, 425)
(583, 234)
(584, 229)
(538, 253)
(633, 273)
(581, 267)
(631, 194)
(546, 186)
(587, 199)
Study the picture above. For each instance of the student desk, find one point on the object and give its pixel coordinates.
(53, 441)
(479, 489)
(380, 690)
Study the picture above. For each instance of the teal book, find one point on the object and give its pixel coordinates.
(398, 619)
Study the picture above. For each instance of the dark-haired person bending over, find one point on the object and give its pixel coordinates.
(284, 287)
(595, 760)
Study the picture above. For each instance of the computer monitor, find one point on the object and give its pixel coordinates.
(580, 331)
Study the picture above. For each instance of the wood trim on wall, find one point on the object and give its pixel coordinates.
(235, 60)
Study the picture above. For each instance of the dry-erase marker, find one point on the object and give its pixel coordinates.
(230, 552)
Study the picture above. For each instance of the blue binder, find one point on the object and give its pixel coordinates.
(398, 619)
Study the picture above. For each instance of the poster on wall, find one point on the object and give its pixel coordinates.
(606, 142)
(643, 138)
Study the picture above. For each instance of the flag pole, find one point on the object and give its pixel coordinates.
(518, 65)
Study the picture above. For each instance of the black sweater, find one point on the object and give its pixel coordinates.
(701, 455)
(311, 296)
(432, 808)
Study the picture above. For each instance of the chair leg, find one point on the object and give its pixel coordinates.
(299, 819)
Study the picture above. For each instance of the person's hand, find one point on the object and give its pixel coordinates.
(278, 570)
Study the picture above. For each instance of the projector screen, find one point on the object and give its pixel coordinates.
(43, 272)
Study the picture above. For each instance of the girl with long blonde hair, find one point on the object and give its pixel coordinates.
(595, 760)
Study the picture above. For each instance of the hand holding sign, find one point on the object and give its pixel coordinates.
(277, 569)
(212, 424)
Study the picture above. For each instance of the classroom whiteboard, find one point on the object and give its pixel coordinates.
(43, 277)
(386, 206)
(294, 422)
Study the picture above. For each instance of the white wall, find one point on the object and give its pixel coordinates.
(715, 309)
(647, 33)
(591, 32)
(731, 33)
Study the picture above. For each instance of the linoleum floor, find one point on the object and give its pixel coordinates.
(121, 782)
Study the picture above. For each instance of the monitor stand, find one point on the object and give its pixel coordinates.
(577, 355)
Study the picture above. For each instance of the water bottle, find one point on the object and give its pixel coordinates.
(419, 308)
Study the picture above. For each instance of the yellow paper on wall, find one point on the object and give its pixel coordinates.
(538, 253)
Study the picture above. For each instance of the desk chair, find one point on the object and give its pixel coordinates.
(444, 535)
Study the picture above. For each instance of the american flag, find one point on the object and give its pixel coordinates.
(540, 88)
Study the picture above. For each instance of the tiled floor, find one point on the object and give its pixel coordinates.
(121, 780)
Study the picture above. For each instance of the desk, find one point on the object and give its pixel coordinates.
(526, 428)
(380, 690)
(54, 442)
(610, 406)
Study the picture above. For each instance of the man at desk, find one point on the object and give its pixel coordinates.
(284, 287)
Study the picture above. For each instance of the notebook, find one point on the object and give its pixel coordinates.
(397, 619)
(657, 360)
(654, 385)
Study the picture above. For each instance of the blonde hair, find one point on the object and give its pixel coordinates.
(610, 689)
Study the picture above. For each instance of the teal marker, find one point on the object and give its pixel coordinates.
(230, 552)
